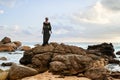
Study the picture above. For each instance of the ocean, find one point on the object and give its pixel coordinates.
(15, 56)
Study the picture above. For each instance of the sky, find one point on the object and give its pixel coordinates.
(71, 20)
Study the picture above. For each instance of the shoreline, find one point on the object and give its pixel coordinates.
(54, 49)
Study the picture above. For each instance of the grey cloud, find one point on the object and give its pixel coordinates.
(111, 4)
(2, 27)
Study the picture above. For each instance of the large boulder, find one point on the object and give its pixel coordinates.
(40, 57)
(17, 43)
(6, 40)
(25, 48)
(118, 53)
(27, 57)
(96, 73)
(19, 71)
(7, 64)
(5, 47)
(115, 75)
(3, 58)
(62, 59)
(3, 75)
(42, 49)
(11, 45)
(41, 61)
(106, 50)
(70, 64)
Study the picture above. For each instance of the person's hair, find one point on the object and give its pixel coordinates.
(46, 18)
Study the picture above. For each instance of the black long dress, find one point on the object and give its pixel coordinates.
(46, 32)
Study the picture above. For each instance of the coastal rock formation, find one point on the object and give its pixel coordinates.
(17, 43)
(7, 45)
(104, 50)
(3, 75)
(118, 53)
(20, 71)
(61, 59)
(115, 75)
(6, 40)
(7, 64)
(96, 74)
(70, 64)
(24, 48)
(71, 60)
(3, 58)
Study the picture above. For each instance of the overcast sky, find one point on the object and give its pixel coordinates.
(71, 20)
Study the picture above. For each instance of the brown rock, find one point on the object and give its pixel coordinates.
(27, 57)
(62, 59)
(115, 75)
(3, 58)
(3, 75)
(7, 64)
(25, 48)
(1, 70)
(17, 43)
(19, 71)
(42, 49)
(114, 61)
(5, 47)
(73, 64)
(11, 45)
(105, 50)
(118, 53)
(41, 61)
(100, 63)
(96, 73)
(6, 40)
(57, 66)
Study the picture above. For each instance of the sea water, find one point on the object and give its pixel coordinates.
(16, 56)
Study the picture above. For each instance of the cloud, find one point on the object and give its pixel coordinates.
(99, 22)
(92, 15)
(1, 11)
(8, 3)
(111, 4)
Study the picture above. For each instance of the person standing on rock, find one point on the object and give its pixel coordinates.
(46, 31)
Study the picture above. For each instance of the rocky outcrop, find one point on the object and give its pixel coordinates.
(3, 58)
(7, 64)
(115, 75)
(72, 60)
(70, 64)
(96, 74)
(118, 53)
(3, 75)
(6, 40)
(24, 48)
(17, 43)
(7, 45)
(104, 50)
(4, 48)
(19, 71)
(62, 59)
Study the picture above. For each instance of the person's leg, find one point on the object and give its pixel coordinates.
(47, 38)
(43, 40)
